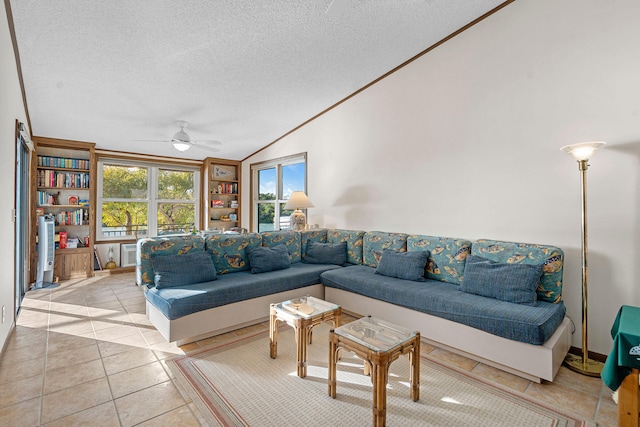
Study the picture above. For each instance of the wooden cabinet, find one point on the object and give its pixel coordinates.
(73, 263)
(221, 197)
(63, 183)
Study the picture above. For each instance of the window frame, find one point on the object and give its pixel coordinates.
(278, 164)
(152, 200)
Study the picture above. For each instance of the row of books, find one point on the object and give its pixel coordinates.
(52, 178)
(231, 188)
(76, 217)
(45, 199)
(63, 162)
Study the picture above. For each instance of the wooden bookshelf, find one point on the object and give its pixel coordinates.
(63, 185)
(221, 193)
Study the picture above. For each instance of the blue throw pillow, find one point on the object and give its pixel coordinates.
(507, 282)
(403, 265)
(326, 253)
(263, 259)
(180, 270)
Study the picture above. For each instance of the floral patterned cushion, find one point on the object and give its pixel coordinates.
(354, 243)
(550, 257)
(161, 246)
(316, 235)
(446, 261)
(291, 239)
(375, 242)
(229, 251)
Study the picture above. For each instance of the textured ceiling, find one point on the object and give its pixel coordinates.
(241, 72)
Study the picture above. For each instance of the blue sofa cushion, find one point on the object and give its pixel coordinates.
(326, 253)
(179, 270)
(551, 258)
(230, 288)
(533, 325)
(403, 265)
(318, 235)
(446, 256)
(229, 251)
(354, 243)
(375, 242)
(263, 259)
(291, 239)
(160, 246)
(515, 283)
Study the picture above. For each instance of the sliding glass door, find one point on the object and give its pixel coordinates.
(21, 219)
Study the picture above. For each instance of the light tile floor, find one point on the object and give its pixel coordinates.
(84, 353)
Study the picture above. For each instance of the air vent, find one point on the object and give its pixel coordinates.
(128, 255)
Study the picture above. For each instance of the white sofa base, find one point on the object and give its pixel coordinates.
(533, 362)
(218, 320)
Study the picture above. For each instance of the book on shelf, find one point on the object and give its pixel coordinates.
(97, 264)
(62, 162)
(76, 217)
(217, 203)
(45, 199)
(52, 178)
(226, 188)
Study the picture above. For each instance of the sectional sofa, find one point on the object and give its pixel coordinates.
(507, 312)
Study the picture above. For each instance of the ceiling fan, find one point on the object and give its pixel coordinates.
(182, 141)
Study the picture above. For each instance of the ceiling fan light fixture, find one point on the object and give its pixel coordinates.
(181, 136)
(180, 146)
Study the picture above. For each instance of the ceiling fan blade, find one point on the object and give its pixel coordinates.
(181, 141)
(206, 142)
(204, 147)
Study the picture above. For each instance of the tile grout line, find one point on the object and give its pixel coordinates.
(113, 401)
(46, 354)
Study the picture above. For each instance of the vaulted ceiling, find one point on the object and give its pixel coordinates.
(241, 72)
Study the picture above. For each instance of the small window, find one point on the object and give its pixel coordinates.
(272, 183)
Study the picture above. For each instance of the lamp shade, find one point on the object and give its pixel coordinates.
(583, 150)
(298, 200)
(181, 146)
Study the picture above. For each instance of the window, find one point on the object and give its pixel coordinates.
(143, 199)
(272, 183)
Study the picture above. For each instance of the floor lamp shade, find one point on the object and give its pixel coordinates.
(582, 152)
(297, 201)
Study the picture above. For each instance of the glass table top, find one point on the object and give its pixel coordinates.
(306, 306)
(374, 333)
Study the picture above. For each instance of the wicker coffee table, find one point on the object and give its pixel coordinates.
(378, 343)
(302, 316)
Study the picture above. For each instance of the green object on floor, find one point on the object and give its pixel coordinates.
(625, 354)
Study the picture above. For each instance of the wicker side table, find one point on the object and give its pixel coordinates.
(379, 344)
(302, 320)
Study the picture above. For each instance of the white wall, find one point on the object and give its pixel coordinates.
(465, 142)
(11, 108)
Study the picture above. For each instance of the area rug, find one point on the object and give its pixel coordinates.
(236, 383)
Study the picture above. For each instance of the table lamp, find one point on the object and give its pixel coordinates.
(297, 201)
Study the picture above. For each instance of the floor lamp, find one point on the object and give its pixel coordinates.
(582, 152)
